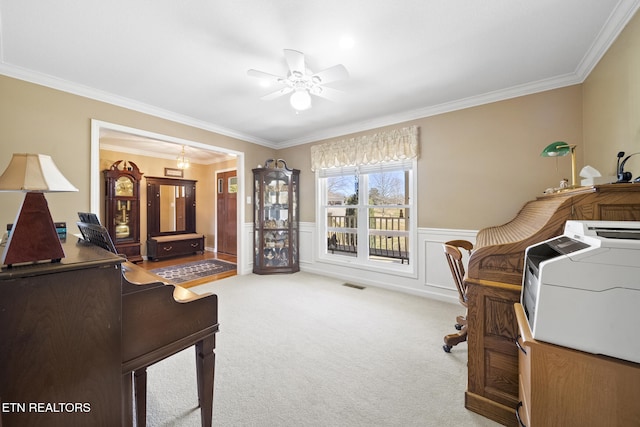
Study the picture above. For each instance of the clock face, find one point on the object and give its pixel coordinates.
(124, 186)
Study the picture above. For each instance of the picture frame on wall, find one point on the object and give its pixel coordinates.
(174, 173)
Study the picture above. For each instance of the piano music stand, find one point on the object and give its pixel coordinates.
(98, 235)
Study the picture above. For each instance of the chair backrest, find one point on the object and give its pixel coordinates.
(454, 259)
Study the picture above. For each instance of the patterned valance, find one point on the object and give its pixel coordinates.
(396, 144)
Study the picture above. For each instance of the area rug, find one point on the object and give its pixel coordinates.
(193, 270)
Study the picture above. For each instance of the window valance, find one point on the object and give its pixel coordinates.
(396, 144)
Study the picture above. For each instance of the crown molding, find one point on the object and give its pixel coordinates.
(447, 107)
(109, 98)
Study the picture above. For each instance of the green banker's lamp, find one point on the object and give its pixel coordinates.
(560, 149)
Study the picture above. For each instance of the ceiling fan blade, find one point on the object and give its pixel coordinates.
(295, 61)
(266, 76)
(331, 74)
(276, 94)
(328, 93)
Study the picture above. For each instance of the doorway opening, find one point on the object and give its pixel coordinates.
(113, 138)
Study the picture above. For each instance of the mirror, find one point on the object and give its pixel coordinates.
(170, 206)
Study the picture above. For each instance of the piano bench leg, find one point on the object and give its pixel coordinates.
(141, 396)
(205, 365)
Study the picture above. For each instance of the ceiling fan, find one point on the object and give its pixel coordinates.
(302, 82)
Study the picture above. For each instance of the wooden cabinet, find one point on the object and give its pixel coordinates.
(275, 218)
(60, 352)
(122, 207)
(560, 386)
(492, 388)
(171, 218)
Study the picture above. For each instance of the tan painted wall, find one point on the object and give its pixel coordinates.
(612, 104)
(478, 166)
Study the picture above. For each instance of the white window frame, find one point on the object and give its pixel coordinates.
(362, 260)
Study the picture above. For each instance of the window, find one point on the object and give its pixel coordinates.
(367, 214)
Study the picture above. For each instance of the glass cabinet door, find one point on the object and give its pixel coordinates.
(123, 219)
(123, 216)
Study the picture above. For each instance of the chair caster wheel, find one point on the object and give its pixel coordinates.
(458, 326)
(446, 348)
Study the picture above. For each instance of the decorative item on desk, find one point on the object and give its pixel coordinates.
(622, 175)
(592, 176)
(560, 149)
(34, 236)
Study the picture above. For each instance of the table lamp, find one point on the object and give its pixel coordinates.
(559, 149)
(33, 236)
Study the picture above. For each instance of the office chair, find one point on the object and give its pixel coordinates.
(454, 259)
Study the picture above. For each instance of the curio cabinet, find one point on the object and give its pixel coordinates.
(275, 218)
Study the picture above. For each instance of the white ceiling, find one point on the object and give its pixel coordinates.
(188, 61)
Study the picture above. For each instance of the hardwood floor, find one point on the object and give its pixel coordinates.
(150, 265)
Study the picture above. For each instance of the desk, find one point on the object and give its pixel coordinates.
(494, 277)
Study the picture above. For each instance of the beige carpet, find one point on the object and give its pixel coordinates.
(304, 350)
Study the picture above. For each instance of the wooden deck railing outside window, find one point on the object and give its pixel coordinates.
(388, 237)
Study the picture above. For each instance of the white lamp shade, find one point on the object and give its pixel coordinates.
(300, 100)
(35, 173)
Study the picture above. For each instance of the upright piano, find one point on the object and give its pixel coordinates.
(494, 280)
(158, 320)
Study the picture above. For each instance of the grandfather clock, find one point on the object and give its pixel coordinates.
(122, 207)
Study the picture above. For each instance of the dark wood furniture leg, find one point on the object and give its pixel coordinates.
(140, 377)
(127, 400)
(205, 368)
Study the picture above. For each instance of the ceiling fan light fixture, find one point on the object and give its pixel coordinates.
(300, 100)
(301, 82)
